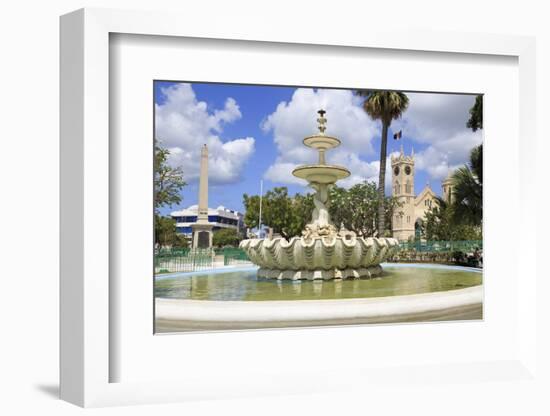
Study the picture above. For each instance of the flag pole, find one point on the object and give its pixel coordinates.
(260, 217)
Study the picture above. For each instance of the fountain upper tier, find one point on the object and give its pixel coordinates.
(325, 174)
(321, 173)
(321, 142)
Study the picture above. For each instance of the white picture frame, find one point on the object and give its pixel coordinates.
(87, 356)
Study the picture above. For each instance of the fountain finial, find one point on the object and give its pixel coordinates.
(322, 121)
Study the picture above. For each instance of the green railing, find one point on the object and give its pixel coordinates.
(171, 260)
(166, 252)
(465, 253)
(188, 260)
(442, 246)
(182, 260)
(234, 256)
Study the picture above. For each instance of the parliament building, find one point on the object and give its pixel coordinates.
(407, 221)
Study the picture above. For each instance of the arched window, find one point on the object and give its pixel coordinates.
(408, 187)
(397, 188)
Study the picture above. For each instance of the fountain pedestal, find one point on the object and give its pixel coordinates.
(322, 252)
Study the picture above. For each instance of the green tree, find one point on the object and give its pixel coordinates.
(286, 215)
(357, 208)
(226, 237)
(437, 223)
(252, 210)
(440, 224)
(467, 184)
(475, 121)
(278, 211)
(302, 209)
(165, 233)
(168, 181)
(385, 106)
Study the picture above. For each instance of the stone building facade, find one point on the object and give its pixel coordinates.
(408, 219)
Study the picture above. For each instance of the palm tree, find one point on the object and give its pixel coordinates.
(384, 106)
(468, 189)
(476, 115)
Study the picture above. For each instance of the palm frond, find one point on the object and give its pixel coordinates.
(476, 162)
(467, 197)
(475, 121)
(384, 105)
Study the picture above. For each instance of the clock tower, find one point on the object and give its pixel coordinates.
(403, 219)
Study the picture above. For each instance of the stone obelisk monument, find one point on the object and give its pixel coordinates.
(202, 229)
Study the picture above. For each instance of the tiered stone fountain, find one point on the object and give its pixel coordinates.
(323, 251)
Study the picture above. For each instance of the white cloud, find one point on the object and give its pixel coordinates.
(445, 156)
(439, 121)
(282, 172)
(183, 124)
(296, 119)
(433, 117)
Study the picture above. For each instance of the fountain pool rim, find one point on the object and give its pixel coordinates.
(425, 306)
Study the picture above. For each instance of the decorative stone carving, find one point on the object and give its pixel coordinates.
(332, 257)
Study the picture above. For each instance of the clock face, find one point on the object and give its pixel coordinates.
(396, 170)
(408, 170)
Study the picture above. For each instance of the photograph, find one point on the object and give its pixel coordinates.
(298, 206)
(246, 208)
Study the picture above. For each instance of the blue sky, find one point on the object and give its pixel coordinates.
(256, 132)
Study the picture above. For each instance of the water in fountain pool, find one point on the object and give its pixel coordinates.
(245, 286)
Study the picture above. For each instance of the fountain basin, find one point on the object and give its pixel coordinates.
(325, 174)
(237, 299)
(328, 257)
(321, 142)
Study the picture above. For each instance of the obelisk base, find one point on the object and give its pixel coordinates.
(202, 235)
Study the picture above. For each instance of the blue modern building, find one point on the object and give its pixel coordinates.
(220, 217)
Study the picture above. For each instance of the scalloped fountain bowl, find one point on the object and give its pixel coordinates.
(330, 257)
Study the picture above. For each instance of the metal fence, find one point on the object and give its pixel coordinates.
(442, 246)
(183, 260)
(189, 260)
